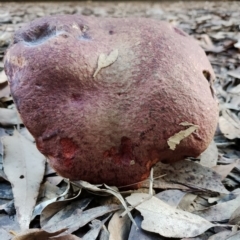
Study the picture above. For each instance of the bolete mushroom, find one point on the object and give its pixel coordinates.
(107, 98)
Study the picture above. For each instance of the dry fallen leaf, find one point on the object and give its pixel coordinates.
(37, 234)
(139, 233)
(162, 184)
(3, 77)
(53, 200)
(66, 237)
(60, 210)
(210, 156)
(224, 170)
(191, 174)
(221, 235)
(95, 226)
(235, 236)
(9, 117)
(161, 218)
(186, 202)
(235, 73)
(229, 125)
(178, 137)
(221, 211)
(235, 217)
(108, 190)
(171, 197)
(24, 166)
(106, 60)
(119, 227)
(4, 234)
(104, 234)
(79, 218)
(4, 91)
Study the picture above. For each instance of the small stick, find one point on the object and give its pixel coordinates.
(151, 182)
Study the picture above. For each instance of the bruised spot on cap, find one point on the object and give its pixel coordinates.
(68, 148)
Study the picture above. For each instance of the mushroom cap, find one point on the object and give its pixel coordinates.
(113, 125)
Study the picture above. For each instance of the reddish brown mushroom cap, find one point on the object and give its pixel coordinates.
(111, 124)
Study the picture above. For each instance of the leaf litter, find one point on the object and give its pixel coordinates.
(178, 137)
(106, 60)
(24, 168)
(205, 186)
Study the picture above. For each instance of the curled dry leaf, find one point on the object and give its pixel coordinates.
(24, 166)
(39, 207)
(37, 234)
(106, 60)
(161, 218)
(108, 190)
(178, 137)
